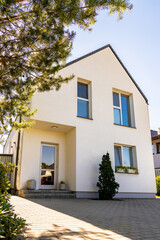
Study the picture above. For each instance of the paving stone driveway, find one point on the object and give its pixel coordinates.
(89, 219)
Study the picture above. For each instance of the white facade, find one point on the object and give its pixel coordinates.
(81, 142)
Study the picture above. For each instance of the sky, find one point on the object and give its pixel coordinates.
(136, 40)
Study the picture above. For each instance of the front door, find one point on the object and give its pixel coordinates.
(48, 166)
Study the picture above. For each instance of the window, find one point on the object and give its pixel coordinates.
(158, 147)
(83, 108)
(121, 109)
(124, 156)
(152, 148)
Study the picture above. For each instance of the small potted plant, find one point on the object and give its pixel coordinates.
(132, 170)
(62, 185)
(121, 169)
(31, 184)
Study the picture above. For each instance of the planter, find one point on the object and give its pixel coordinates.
(131, 170)
(103, 196)
(120, 170)
(31, 184)
(63, 186)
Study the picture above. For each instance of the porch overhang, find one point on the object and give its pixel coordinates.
(51, 126)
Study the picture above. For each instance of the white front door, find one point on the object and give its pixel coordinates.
(48, 166)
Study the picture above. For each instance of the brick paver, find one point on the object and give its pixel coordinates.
(89, 219)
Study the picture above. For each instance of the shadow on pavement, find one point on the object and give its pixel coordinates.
(134, 219)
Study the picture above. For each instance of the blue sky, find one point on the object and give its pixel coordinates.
(136, 40)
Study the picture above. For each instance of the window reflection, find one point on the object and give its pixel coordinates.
(48, 157)
(47, 177)
(83, 109)
(117, 116)
(127, 156)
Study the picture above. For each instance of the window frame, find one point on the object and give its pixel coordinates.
(133, 159)
(52, 186)
(120, 94)
(157, 144)
(87, 100)
(153, 150)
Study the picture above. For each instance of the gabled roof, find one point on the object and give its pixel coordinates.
(100, 49)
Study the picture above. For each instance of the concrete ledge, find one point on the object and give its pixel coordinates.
(87, 195)
(119, 195)
(135, 195)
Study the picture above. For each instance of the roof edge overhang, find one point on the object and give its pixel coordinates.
(155, 137)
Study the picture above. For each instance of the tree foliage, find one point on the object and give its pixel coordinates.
(35, 41)
(107, 185)
(158, 185)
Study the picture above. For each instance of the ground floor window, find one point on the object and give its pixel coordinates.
(125, 157)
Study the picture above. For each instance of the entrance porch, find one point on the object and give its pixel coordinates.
(48, 156)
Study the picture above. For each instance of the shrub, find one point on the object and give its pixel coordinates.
(158, 185)
(10, 224)
(107, 185)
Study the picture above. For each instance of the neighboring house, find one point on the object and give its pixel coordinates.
(102, 109)
(156, 151)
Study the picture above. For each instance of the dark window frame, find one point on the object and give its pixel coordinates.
(158, 147)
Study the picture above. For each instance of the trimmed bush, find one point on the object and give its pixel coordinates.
(158, 185)
(10, 224)
(107, 185)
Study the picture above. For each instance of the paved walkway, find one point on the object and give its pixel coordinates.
(89, 219)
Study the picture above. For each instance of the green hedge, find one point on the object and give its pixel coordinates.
(158, 185)
(10, 224)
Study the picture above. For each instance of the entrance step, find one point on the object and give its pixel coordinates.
(46, 193)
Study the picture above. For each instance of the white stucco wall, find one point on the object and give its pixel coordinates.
(71, 159)
(93, 137)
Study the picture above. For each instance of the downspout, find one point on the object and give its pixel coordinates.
(17, 159)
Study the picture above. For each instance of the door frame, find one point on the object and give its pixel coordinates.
(55, 168)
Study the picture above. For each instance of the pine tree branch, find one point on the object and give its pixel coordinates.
(116, 6)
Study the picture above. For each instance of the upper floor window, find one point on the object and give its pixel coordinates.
(121, 109)
(83, 100)
(158, 147)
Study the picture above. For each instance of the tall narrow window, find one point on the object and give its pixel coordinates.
(48, 168)
(121, 109)
(152, 148)
(83, 100)
(118, 155)
(127, 157)
(158, 147)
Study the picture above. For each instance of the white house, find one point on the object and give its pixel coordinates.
(102, 109)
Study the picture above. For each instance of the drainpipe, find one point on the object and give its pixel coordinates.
(17, 159)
